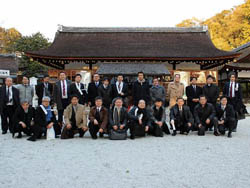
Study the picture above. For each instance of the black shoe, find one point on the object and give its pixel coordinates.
(216, 133)
(101, 135)
(181, 132)
(174, 133)
(31, 139)
(19, 135)
(4, 132)
(132, 137)
(94, 137)
(229, 135)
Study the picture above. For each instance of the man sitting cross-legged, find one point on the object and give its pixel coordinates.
(181, 117)
(226, 116)
(75, 119)
(98, 117)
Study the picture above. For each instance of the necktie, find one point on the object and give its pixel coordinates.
(194, 89)
(119, 86)
(231, 90)
(64, 93)
(96, 84)
(8, 94)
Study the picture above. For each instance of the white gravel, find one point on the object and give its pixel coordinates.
(181, 161)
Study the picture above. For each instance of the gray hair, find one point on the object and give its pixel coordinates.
(46, 98)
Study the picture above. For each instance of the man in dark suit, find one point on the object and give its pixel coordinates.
(141, 89)
(98, 119)
(120, 89)
(77, 88)
(226, 116)
(193, 93)
(9, 101)
(93, 89)
(22, 119)
(233, 91)
(105, 91)
(205, 117)
(61, 95)
(211, 91)
(44, 89)
(181, 117)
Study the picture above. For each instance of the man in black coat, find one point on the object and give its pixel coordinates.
(211, 91)
(205, 117)
(93, 89)
(193, 93)
(141, 89)
(77, 88)
(233, 91)
(105, 92)
(120, 89)
(181, 117)
(226, 116)
(9, 101)
(22, 118)
(61, 95)
(44, 119)
(44, 89)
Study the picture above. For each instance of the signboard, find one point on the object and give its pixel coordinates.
(4, 73)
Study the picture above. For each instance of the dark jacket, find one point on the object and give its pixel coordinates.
(193, 94)
(115, 93)
(133, 117)
(186, 112)
(154, 113)
(19, 115)
(202, 114)
(40, 91)
(141, 91)
(211, 92)
(103, 117)
(40, 118)
(123, 117)
(3, 98)
(238, 91)
(57, 93)
(92, 92)
(106, 95)
(74, 91)
(230, 114)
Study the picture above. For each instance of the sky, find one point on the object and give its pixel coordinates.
(31, 16)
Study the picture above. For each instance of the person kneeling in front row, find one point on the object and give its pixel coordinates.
(226, 117)
(44, 119)
(205, 117)
(139, 120)
(75, 119)
(98, 119)
(158, 119)
(118, 116)
(181, 117)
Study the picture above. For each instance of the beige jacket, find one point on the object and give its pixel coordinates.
(81, 115)
(174, 91)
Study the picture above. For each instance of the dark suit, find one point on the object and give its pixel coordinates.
(212, 93)
(229, 118)
(26, 118)
(57, 98)
(141, 91)
(123, 118)
(40, 91)
(181, 119)
(74, 91)
(92, 92)
(106, 94)
(115, 93)
(201, 114)
(7, 111)
(193, 94)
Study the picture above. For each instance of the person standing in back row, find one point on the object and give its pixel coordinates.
(93, 89)
(26, 92)
(211, 91)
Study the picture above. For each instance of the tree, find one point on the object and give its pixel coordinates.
(228, 29)
(30, 43)
(8, 38)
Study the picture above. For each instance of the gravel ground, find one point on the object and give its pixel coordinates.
(181, 161)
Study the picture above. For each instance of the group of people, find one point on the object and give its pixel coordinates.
(64, 107)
